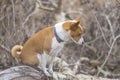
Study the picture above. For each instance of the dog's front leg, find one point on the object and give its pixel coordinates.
(43, 61)
(54, 52)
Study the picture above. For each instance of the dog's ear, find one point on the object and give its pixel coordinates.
(78, 19)
(74, 26)
(67, 25)
(71, 25)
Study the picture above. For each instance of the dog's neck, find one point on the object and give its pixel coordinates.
(60, 34)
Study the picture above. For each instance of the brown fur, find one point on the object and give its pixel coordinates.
(36, 44)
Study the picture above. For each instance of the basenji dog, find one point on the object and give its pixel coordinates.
(48, 42)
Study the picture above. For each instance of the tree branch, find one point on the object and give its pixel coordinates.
(109, 53)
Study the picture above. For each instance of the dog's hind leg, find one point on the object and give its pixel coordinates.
(43, 59)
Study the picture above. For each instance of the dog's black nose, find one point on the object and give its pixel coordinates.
(81, 41)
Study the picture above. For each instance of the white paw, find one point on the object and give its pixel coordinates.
(51, 71)
(47, 73)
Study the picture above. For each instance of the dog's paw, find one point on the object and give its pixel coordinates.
(51, 71)
(47, 74)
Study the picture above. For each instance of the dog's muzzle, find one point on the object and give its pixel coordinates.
(81, 41)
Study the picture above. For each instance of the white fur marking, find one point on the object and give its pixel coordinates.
(39, 58)
(18, 52)
(55, 43)
(59, 29)
(64, 35)
(81, 40)
(43, 59)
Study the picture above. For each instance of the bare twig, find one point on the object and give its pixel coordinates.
(107, 73)
(3, 25)
(102, 32)
(111, 28)
(92, 41)
(109, 53)
(5, 48)
(91, 48)
(26, 19)
(118, 1)
(2, 17)
(38, 2)
(53, 3)
(13, 11)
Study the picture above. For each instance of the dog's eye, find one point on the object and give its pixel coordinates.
(78, 34)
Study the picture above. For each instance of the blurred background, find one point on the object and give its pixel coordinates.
(100, 53)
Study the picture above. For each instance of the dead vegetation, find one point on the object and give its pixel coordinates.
(98, 56)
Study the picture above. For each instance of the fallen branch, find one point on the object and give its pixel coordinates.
(20, 71)
(26, 72)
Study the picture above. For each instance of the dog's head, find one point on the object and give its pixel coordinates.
(75, 30)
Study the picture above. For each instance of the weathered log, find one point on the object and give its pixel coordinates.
(63, 72)
(21, 72)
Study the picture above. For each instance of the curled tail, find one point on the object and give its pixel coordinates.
(16, 51)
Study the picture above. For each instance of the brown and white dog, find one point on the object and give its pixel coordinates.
(48, 41)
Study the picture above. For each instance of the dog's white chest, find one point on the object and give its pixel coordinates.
(55, 43)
